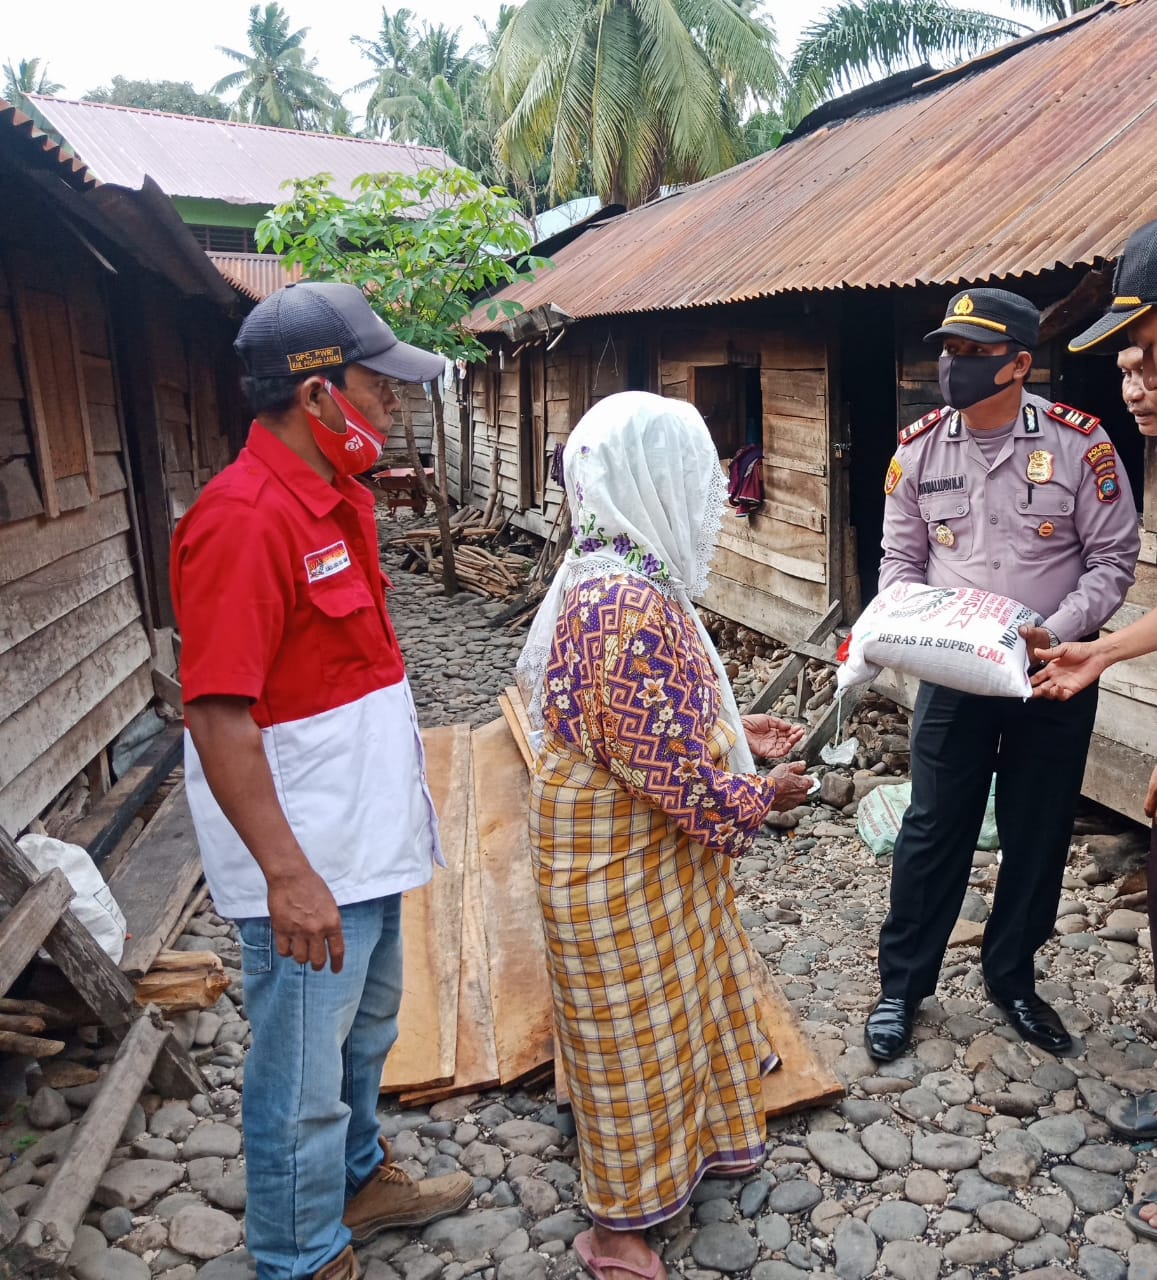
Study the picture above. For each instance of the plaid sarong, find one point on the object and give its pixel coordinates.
(654, 1007)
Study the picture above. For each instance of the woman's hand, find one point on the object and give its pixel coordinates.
(1071, 668)
(771, 738)
(792, 786)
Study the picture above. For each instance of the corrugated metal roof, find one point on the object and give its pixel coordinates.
(39, 145)
(257, 275)
(1041, 157)
(219, 159)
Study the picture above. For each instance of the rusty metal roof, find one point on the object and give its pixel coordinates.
(38, 146)
(219, 159)
(256, 275)
(1038, 156)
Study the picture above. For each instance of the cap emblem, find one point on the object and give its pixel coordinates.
(300, 361)
(964, 306)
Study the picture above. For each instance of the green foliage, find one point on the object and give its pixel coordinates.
(27, 76)
(278, 84)
(637, 92)
(177, 96)
(856, 41)
(421, 247)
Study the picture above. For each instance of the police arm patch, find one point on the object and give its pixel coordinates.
(893, 478)
(1102, 457)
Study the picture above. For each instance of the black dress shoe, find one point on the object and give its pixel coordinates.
(888, 1031)
(1034, 1021)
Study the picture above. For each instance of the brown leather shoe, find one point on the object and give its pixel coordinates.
(343, 1267)
(392, 1198)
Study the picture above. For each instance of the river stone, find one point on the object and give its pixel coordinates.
(724, 1246)
(1059, 1135)
(204, 1233)
(1109, 1232)
(1100, 1264)
(48, 1109)
(563, 1226)
(213, 1139)
(473, 1235)
(842, 1156)
(777, 1270)
(1040, 1252)
(887, 1146)
(922, 1186)
(521, 1266)
(951, 1087)
(483, 1160)
(118, 1264)
(908, 1261)
(754, 1196)
(135, 1182)
(238, 1265)
(972, 1191)
(228, 1192)
(1102, 1158)
(975, 1248)
(1055, 1212)
(1009, 1220)
(774, 1232)
(795, 1196)
(943, 1151)
(865, 1111)
(174, 1120)
(898, 1220)
(1090, 1192)
(527, 1137)
(1008, 1168)
(856, 1251)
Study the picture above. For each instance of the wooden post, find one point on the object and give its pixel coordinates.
(29, 922)
(94, 977)
(50, 1229)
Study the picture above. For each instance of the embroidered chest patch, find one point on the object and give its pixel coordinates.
(941, 484)
(326, 562)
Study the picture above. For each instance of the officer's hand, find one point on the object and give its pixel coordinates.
(1151, 796)
(771, 738)
(306, 921)
(1039, 642)
(1071, 668)
(792, 785)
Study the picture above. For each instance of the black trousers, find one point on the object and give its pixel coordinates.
(1037, 750)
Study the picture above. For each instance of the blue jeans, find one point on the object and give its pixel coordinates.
(312, 1078)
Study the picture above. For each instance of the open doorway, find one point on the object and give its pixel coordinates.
(867, 415)
(730, 398)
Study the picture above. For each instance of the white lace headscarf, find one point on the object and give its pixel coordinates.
(647, 497)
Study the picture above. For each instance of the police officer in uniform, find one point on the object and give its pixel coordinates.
(1008, 492)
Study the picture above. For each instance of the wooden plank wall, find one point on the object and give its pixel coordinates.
(771, 570)
(74, 652)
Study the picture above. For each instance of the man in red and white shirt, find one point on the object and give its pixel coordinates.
(305, 773)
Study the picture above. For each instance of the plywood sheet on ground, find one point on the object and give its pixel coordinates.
(426, 1049)
(519, 990)
(477, 1062)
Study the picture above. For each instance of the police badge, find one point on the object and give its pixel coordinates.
(1040, 466)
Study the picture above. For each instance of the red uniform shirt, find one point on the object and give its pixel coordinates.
(279, 596)
(278, 589)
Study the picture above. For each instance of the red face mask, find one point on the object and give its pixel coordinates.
(358, 447)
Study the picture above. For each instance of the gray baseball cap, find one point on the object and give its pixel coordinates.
(306, 327)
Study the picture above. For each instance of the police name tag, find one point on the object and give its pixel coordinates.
(326, 562)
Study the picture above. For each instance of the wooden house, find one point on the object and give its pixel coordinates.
(118, 400)
(787, 298)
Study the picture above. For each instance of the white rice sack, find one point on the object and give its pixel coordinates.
(958, 637)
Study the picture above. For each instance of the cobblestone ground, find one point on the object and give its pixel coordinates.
(973, 1155)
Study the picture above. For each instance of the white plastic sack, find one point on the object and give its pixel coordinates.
(882, 810)
(93, 904)
(959, 637)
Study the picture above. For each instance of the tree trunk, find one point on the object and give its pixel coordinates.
(449, 573)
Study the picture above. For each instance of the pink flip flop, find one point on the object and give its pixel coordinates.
(584, 1247)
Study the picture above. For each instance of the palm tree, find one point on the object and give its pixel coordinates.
(1054, 10)
(854, 41)
(642, 91)
(27, 76)
(278, 85)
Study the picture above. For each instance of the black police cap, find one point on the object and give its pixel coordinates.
(990, 316)
(1134, 289)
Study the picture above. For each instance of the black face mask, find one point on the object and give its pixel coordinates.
(967, 380)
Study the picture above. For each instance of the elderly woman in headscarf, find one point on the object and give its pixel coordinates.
(644, 791)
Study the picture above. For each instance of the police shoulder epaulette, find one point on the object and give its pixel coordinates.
(926, 423)
(1085, 423)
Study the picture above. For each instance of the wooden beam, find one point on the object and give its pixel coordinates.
(100, 829)
(94, 977)
(155, 880)
(787, 675)
(29, 922)
(50, 1228)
